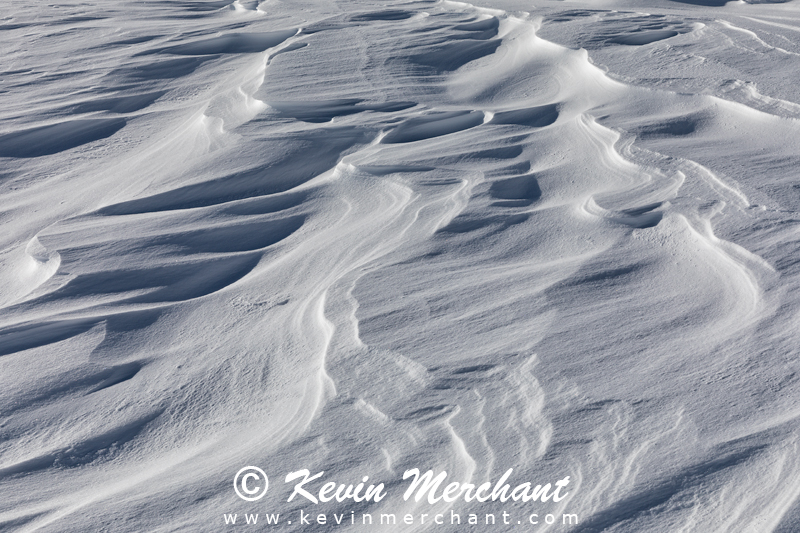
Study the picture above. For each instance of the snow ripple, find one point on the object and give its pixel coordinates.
(407, 236)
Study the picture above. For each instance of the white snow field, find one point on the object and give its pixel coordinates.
(363, 237)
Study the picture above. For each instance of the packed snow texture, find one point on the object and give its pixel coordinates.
(362, 237)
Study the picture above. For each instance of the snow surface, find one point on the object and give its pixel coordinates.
(363, 237)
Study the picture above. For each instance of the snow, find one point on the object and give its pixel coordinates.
(558, 237)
